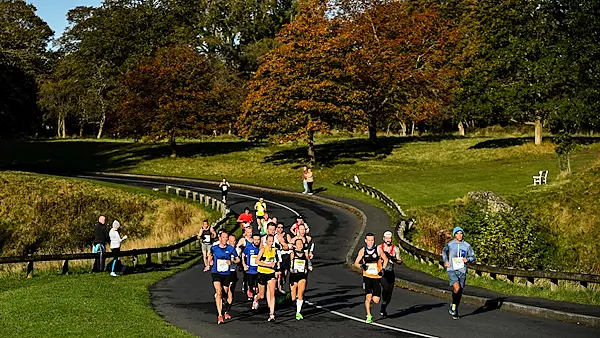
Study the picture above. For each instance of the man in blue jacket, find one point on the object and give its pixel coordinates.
(456, 254)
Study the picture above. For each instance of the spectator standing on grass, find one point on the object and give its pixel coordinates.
(115, 246)
(224, 185)
(99, 245)
(309, 180)
(304, 181)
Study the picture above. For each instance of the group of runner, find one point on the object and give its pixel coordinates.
(268, 257)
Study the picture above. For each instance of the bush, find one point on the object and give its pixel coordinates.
(508, 239)
(44, 215)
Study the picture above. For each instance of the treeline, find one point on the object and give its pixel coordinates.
(286, 69)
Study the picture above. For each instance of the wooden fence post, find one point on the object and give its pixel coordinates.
(30, 269)
(65, 267)
(553, 284)
(187, 194)
(167, 189)
(160, 258)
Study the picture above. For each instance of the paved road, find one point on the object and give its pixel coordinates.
(186, 299)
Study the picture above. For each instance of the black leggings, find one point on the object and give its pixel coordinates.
(310, 188)
(224, 194)
(387, 284)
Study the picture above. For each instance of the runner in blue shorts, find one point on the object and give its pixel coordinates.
(456, 254)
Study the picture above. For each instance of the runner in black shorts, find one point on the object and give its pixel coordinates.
(372, 260)
(284, 250)
(222, 256)
(233, 276)
(300, 265)
(268, 271)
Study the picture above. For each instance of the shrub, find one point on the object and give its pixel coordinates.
(508, 239)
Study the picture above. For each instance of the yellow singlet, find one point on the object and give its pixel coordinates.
(267, 257)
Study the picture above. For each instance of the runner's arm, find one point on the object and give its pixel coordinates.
(470, 254)
(359, 258)
(244, 261)
(213, 233)
(397, 256)
(445, 253)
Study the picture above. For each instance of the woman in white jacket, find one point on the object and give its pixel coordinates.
(115, 244)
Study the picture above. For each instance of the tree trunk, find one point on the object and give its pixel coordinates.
(173, 142)
(461, 129)
(62, 133)
(81, 130)
(387, 133)
(101, 127)
(412, 129)
(373, 128)
(538, 130)
(403, 128)
(311, 148)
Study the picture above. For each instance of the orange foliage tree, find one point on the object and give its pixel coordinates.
(302, 88)
(402, 59)
(178, 93)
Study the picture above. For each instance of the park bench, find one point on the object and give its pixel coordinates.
(541, 178)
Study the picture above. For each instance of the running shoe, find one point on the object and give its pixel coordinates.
(227, 315)
(369, 319)
(271, 318)
(114, 274)
(299, 316)
(249, 295)
(453, 313)
(255, 304)
(383, 313)
(220, 320)
(206, 268)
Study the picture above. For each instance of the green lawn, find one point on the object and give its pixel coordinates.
(83, 305)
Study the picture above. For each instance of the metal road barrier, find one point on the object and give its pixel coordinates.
(531, 277)
(158, 254)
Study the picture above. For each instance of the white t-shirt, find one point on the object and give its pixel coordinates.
(115, 239)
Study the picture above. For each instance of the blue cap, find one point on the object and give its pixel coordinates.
(457, 229)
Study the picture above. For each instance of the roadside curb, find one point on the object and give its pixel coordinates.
(405, 284)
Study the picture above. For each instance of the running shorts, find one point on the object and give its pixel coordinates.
(457, 276)
(296, 277)
(206, 247)
(372, 286)
(264, 278)
(223, 279)
(233, 277)
(252, 279)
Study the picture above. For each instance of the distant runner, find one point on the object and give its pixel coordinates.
(308, 246)
(224, 185)
(245, 217)
(284, 251)
(221, 256)
(261, 208)
(241, 246)
(372, 260)
(206, 235)
(456, 254)
(389, 277)
(299, 220)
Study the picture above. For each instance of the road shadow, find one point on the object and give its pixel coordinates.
(348, 151)
(490, 305)
(77, 156)
(416, 309)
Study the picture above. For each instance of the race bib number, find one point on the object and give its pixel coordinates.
(224, 188)
(457, 263)
(372, 269)
(253, 260)
(207, 238)
(300, 265)
(222, 265)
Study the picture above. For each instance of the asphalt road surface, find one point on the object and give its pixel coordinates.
(334, 293)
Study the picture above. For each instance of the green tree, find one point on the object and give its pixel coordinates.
(24, 56)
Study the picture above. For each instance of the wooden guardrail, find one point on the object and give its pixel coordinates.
(163, 253)
(507, 274)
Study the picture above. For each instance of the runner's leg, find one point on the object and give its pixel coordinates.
(218, 297)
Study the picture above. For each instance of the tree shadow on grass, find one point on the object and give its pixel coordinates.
(348, 151)
(77, 156)
(517, 141)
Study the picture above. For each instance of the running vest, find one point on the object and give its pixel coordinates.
(260, 208)
(373, 261)
(390, 255)
(300, 262)
(205, 236)
(269, 256)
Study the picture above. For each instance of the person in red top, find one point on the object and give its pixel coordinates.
(389, 277)
(246, 217)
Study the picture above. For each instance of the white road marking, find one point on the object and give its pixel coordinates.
(296, 213)
(374, 323)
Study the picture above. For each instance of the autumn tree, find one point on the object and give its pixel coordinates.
(401, 60)
(301, 87)
(178, 92)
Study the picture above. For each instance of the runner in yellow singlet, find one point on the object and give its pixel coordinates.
(260, 208)
(268, 272)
